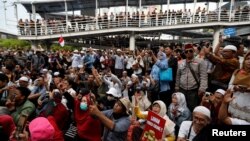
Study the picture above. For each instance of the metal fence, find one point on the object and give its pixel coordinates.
(81, 25)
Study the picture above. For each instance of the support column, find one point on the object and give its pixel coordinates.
(139, 13)
(207, 6)
(194, 11)
(216, 36)
(66, 12)
(231, 11)
(132, 41)
(219, 15)
(34, 17)
(16, 12)
(168, 12)
(185, 5)
(4, 6)
(126, 10)
(16, 15)
(96, 14)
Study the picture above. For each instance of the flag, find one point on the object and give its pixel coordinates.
(61, 41)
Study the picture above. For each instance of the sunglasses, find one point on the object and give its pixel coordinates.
(190, 51)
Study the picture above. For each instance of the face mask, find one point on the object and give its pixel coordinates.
(83, 106)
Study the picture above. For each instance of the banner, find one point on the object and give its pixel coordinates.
(154, 127)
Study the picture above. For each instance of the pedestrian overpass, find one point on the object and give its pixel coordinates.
(132, 25)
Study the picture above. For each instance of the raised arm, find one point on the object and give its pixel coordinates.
(223, 112)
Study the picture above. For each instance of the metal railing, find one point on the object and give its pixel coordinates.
(81, 25)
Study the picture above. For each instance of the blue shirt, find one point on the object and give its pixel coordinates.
(119, 62)
(119, 133)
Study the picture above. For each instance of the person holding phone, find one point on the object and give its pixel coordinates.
(224, 65)
(235, 106)
(213, 102)
(116, 121)
(20, 104)
(88, 127)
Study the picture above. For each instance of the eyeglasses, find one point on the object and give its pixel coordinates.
(190, 51)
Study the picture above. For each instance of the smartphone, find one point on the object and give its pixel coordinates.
(21, 125)
(92, 100)
(207, 94)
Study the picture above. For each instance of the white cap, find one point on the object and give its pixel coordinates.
(56, 90)
(56, 73)
(130, 83)
(221, 91)
(230, 47)
(113, 92)
(45, 70)
(82, 51)
(80, 66)
(134, 75)
(118, 50)
(245, 50)
(23, 78)
(203, 110)
(76, 51)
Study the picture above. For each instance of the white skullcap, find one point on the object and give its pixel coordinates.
(203, 110)
(76, 51)
(245, 50)
(45, 70)
(119, 50)
(56, 90)
(82, 51)
(134, 75)
(23, 78)
(56, 73)
(80, 66)
(113, 92)
(221, 91)
(230, 47)
(130, 83)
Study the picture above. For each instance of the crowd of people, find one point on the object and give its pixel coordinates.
(94, 95)
(136, 19)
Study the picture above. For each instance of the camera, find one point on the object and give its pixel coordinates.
(207, 94)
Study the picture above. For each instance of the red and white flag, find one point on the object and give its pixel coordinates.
(61, 41)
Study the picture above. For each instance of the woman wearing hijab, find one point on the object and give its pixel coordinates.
(161, 63)
(237, 100)
(159, 108)
(88, 127)
(178, 110)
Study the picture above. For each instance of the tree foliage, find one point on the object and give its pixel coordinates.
(14, 44)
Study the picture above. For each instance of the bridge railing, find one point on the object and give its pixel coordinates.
(81, 25)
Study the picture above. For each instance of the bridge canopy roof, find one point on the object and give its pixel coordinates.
(48, 6)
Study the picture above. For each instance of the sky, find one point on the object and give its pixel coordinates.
(8, 17)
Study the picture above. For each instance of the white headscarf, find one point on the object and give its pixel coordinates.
(181, 103)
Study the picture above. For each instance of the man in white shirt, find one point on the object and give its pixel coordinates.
(189, 129)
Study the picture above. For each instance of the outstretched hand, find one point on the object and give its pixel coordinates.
(93, 110)
(228, 96)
